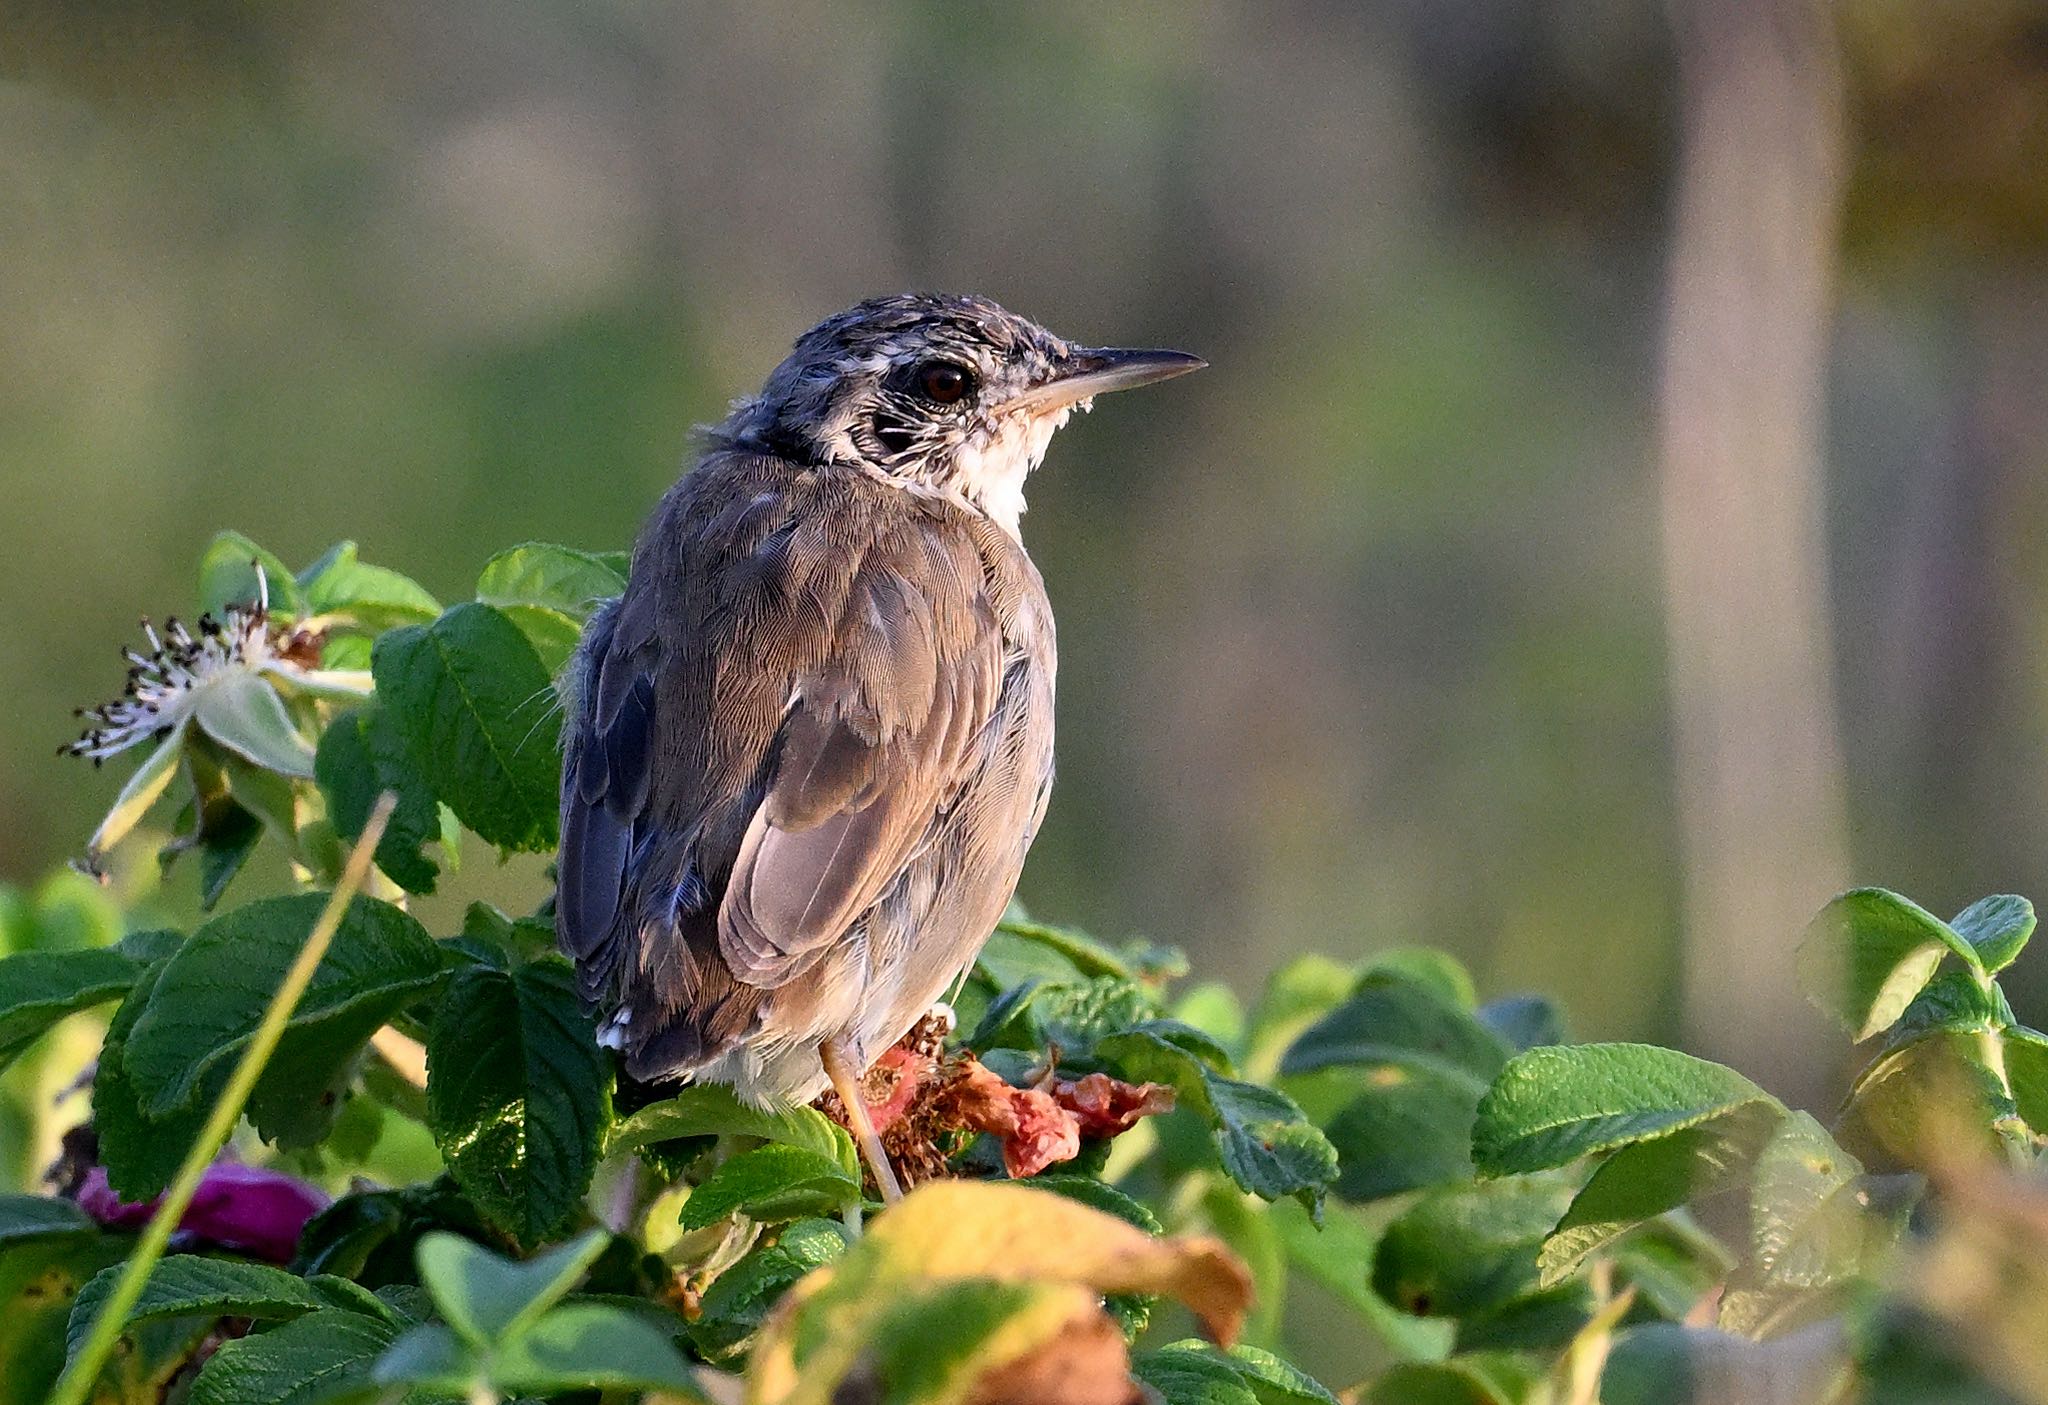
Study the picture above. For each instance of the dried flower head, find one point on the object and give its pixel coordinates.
(224, 678)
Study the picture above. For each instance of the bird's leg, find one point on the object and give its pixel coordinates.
(845, 1074)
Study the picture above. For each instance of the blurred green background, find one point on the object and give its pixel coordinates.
(1363, 630)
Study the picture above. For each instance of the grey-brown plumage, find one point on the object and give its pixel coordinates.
(808, 748)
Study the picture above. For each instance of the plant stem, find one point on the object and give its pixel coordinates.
(75, 1385)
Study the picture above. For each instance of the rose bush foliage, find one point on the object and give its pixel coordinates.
(1371, 1153)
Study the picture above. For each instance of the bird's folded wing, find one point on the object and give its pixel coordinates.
(781, 753)
(607, 773)
(876, 745)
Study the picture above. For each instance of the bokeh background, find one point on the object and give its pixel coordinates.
(1429, 614)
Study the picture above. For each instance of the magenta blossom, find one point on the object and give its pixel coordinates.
(240, 1207)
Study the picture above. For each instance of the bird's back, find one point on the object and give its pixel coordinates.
(807, 751)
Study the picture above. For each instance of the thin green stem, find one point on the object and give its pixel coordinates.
(75, 1385)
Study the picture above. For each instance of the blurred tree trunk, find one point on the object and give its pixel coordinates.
(1745, 354)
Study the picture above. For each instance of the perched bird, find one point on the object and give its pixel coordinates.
(808, 747)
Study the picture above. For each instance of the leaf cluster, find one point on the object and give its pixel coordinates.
(1503, 1215)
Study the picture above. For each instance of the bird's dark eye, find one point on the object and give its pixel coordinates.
(944, 383)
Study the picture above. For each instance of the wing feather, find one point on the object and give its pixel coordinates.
(764, 732)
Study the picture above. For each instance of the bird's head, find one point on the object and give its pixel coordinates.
(952, 394)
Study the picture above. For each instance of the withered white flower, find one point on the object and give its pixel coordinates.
(224, 679)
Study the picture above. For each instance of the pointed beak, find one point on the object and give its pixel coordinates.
(1093, 371)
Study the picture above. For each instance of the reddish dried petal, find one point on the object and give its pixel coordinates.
(1046, 1134)
(1036, 1132)
(1105, 1106)
(903, 1071)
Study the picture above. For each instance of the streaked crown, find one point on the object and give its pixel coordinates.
(947, 393)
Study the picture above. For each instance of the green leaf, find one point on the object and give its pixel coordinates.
(325, 1355)
(361, 756)
(1645, 1179)
(1439, 972)
(1868, 954)
(25, 1217)
(1263, 1142)
(190, 1285)
(1419, 1062)
(549, 591)
(559, 578)
(1393, 1020)
(1100, 1195)
(242, 712)
(478, 712)
(518, 1094)
(773, 1182)
(1466, 1249)
(1471, 1378)
(583, 1346)
(372, 597)
(1672, 1266)
(1296, 996)
(371, 1236)
(1552, 1105)
(227, 576)
(740, 1299)
(1339, 1254)
(1007, 961)
(2026, 1067)
(211, 994)
(1996, 928)
(433, 1358)
(1925, 1098)
(39, 988)
(224, 847)
(1954, 1002)
(488, 1299)
(1408, 1128)
(1197, 1373)
(712, 1109)
(1041, 1014)
(1808, 1223)
(1137, 962)
(141, 1153)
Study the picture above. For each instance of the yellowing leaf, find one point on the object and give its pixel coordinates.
(954, 1239)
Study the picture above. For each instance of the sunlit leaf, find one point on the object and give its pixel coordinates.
(1868, 953)
(487, 1298)
(1552, 1105)
(518, 1093)
(1262, 1140)
(1997, 928)
(1469, 1248)
(479, 716)
(211, 994)
(371, 597)
(712, 1109)
(947, 1232)
(773, 1182)
(138, 793)
(1645, 1179)
(320, 1357)
(228, 576)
